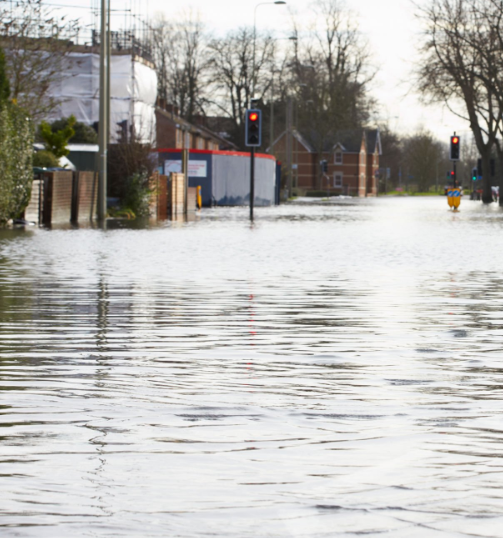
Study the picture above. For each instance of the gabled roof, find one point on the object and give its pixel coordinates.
(348, 140)
(298, 137)
(198, 130)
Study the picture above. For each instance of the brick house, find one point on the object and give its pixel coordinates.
(170, 129)
(353, 162)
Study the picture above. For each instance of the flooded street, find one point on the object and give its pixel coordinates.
(332, 370)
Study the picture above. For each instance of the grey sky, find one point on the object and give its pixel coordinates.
(392, 30)
(390, 26)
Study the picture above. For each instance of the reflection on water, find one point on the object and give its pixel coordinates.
(331, 370)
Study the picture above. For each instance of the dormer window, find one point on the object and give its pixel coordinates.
(338, 157)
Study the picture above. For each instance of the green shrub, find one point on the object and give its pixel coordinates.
(45, 159)
(16, 153)
(84, 134)
(57, 141)
(137, 195)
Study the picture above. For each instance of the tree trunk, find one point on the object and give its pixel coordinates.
(487, 193)
(500, 178)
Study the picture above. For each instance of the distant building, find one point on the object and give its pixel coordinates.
(171, 128)
(133, 88)
(353, 163)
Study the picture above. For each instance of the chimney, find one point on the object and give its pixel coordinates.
(173, 109)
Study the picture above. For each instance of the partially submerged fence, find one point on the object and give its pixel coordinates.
(168, 196)
(62, 196)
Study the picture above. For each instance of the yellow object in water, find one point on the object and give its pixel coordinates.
(199, 198)
(454, 197)
(449, 197)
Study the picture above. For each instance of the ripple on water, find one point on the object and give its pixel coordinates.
(332, 370)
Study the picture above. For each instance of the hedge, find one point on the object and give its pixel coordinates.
(16, 153)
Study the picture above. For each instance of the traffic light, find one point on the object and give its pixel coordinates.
(253, 128)
(474, 175)
(122, 131)
(454, 148)
(324, 166)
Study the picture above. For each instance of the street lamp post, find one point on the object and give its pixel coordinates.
(271, 126)
(277, 2)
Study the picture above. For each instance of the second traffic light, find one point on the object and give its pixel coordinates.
(454, 154)
(253, 128)
(474, 175)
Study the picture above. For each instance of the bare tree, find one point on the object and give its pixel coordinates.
(488, 41)
(181, 57)
(456, 69)
(231, 63)
(330, 75)
(36, 42)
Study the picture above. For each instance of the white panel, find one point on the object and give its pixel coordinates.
(79, 93)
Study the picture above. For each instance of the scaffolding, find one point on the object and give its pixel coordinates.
(133, 81)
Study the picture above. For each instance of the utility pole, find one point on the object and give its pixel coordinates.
(103, 113)
(185, 168)
(289, 144)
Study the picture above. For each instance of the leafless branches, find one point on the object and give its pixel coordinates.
(180, 50)
(36, 43)
(461, 67)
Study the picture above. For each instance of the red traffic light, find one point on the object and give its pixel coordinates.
(253, 116)
(455, 139)
(452, 172)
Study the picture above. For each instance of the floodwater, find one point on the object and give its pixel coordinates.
(333, 370)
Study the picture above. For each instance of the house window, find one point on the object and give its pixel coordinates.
(337, 179)
(338, 157)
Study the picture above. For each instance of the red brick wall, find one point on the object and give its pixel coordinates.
(166, 132)
(349, 169)
(372, 167)
(308, 175)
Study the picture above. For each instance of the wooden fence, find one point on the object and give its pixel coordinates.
(64, 196)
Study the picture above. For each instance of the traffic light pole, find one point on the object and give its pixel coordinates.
(252, 181)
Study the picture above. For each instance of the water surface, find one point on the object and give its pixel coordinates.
(332, 370)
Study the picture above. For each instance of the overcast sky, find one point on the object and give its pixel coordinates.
(390, 26)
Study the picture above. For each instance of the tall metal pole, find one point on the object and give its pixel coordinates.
(109, 67)
(253, 80)
(103, 114)
(185, 168)
(289, 144)
(252, 181)
(271, 127)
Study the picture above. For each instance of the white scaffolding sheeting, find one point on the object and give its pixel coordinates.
(133, 91)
